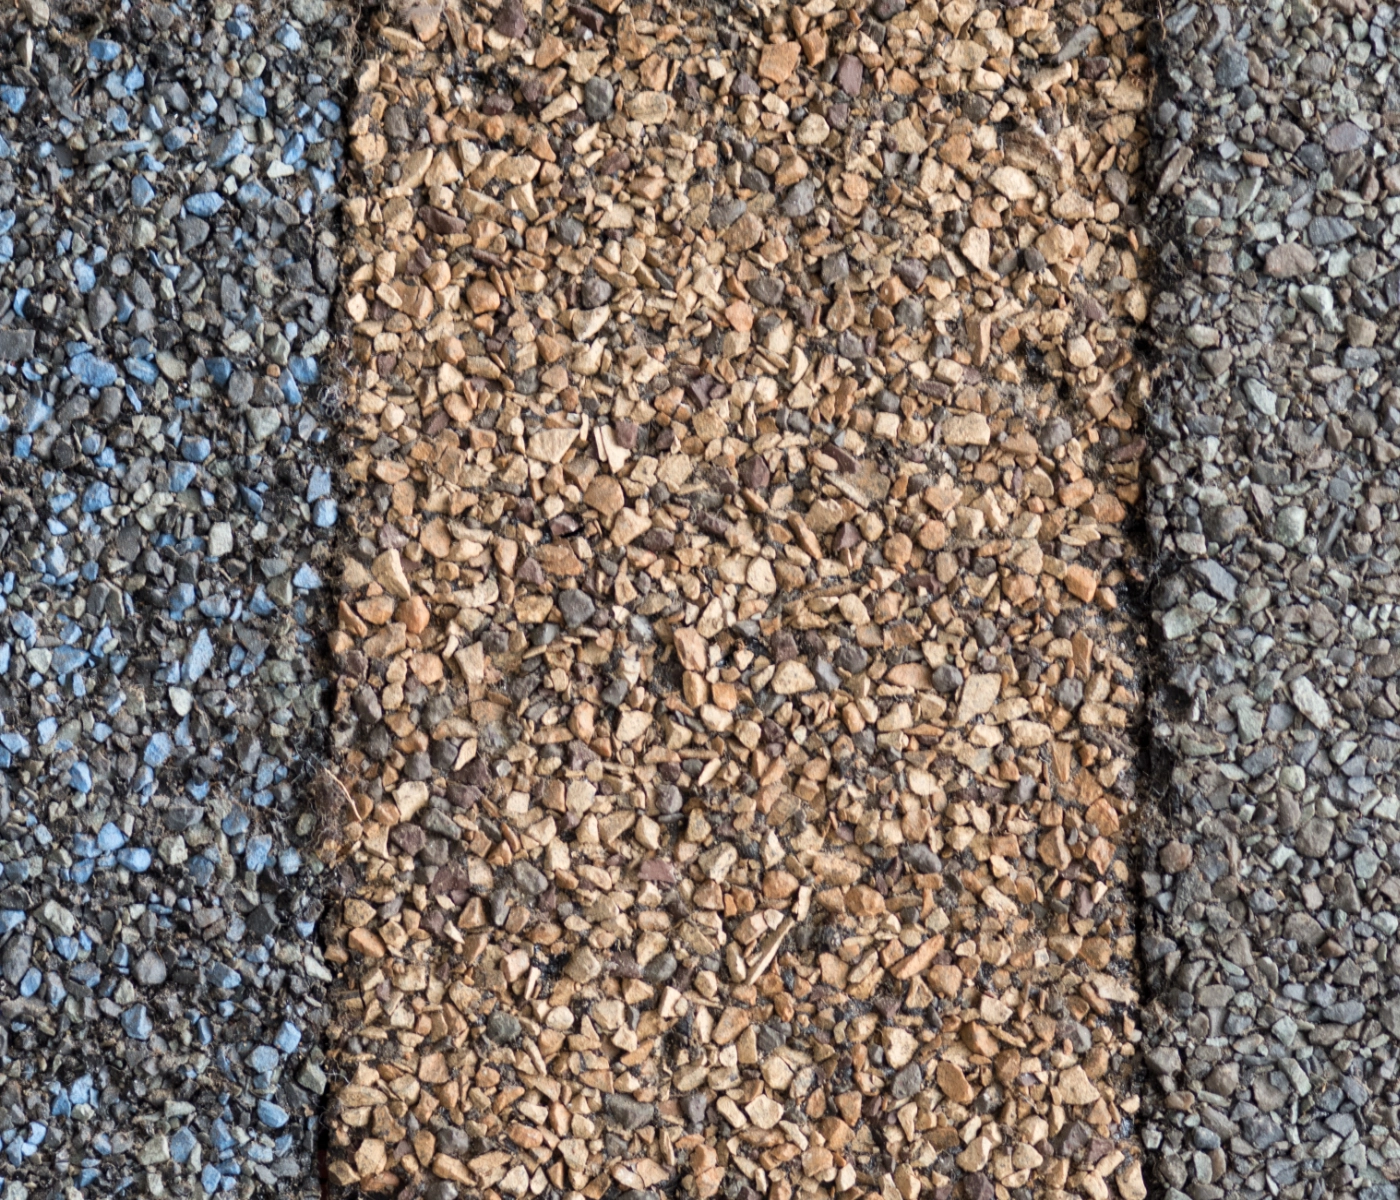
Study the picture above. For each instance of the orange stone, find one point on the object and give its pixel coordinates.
(953, 1083)
(1081, 582)
(776, 63)
(414, 614)
(483, 297)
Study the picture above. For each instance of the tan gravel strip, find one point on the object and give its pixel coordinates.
(736, 711)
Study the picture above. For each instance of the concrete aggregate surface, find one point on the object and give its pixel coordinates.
(607, 599)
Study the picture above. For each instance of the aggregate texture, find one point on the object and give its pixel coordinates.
(1271, 892)
(168, 186)
(735, 706)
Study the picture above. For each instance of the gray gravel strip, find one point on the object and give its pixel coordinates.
(168, 193)
(1272, 893)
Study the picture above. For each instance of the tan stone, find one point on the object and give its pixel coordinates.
(777, 62)
(793, 677)
(953, 1083)
(388, 572)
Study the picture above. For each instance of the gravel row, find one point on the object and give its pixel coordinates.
(1272, 888)
(735, 699)
(167, 257)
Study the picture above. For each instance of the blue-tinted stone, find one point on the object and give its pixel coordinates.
(324, 514)
(10, 920)
(182, 598)
(181, 476)
(262, 1059)
(13, 97)
(290, 38)
(85, 276)
(235, 823)
(97, 497)
(136, 859)
(221, 975)
(288, 1038)
(137, 1023)
(15, 743)
(80, 776)
(204, 204)
(210, 1179)
(200, 656)
(253, 102)
(289, 861)
(67, 659)
(196, 449)
(104, 50)
(252, 500)
(226, 147)
(142, 193)
(201, 870)
(142, 369)
(304, 369)
(33, 414)
(259, 847)
(253, 195)
(158, 749)
(92, 371)
(221, 1137)
(220, 370)
(182, 1144)
(306, 577)
(175, 139)
(274, 1116)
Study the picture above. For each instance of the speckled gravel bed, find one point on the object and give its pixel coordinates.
(168, 179)
(736, 704)
(1273, 883)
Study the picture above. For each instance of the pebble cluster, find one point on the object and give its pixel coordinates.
(736, 703)
(1273, 877)
(168, 175)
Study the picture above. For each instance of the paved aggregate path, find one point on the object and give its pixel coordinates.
(1272, 888)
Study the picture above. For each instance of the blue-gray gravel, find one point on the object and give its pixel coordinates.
(168, 196)
(1272, 886)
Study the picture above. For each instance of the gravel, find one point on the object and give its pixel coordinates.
(167, 256)
(1271, 890)
(736, 684)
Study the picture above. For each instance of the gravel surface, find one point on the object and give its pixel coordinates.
(167, 189)
(1269, 935)
(735, 704)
